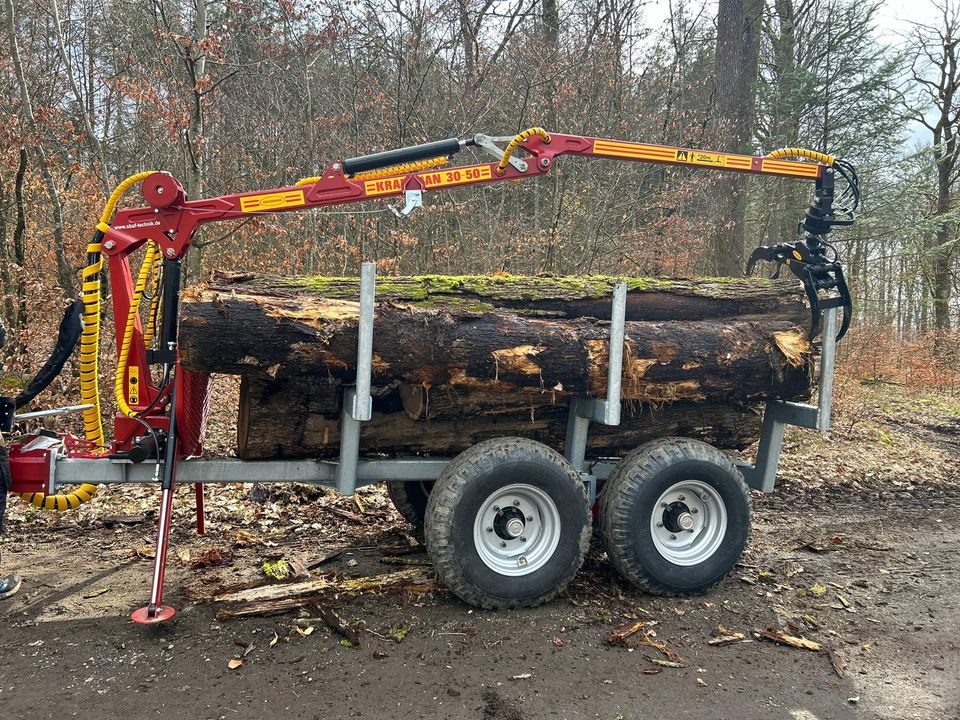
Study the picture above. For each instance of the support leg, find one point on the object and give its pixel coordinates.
(198, 493)
(155, 611)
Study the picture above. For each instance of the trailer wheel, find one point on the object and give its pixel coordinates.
(410, 500)
(675, 515)
(508, 524)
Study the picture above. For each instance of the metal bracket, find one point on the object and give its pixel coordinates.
(606, 411)
(357, 404)
(762, 475)
(413, 199)
(51, 412)
(488, 144)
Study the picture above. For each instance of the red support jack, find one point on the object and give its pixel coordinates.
(155, 611)
(198, 493)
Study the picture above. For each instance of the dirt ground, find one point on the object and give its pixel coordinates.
(857, 549)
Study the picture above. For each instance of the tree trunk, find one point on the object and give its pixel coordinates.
(195, 140)
(65, 273)
(736, 72)
(461, 359)
(540, 296)
(476, 345)
(299, 417)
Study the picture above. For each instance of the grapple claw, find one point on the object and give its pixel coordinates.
(823, 279)
(761, 254)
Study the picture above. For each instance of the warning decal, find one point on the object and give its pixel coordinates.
(698, 157)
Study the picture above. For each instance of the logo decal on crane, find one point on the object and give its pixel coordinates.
(430, 180)
(272, 201)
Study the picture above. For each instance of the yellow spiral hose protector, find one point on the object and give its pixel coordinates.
(401, 169)
(797, 152)
(89, 354)
(515, 143)
(150, 331)
(146, 270)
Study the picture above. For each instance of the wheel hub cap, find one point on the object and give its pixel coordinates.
(688, 522)
(517, 529)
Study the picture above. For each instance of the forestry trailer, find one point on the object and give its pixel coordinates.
(507, 522)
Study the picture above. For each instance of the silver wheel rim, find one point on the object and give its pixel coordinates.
(517, 530)
(688, 522)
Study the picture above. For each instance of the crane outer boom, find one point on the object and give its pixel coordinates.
(172, 221)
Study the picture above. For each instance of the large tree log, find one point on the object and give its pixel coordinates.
(228, 330)
(460, 360)
(299, 417)
(549, 296)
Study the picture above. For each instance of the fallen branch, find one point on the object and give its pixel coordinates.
(801, 643)
(278, 598)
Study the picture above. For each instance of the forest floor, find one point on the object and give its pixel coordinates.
(857, 549)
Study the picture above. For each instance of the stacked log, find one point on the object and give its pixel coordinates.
(461, 359)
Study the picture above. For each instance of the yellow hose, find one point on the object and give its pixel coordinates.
(401, 169)
(89, 354)
(515, 143)
(797, 152)
(307, 181)
(146, 269)
(150, 331)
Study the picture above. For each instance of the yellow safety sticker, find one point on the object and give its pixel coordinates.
(699, 157)
(430, 180)
(272, 201)
(133, 385)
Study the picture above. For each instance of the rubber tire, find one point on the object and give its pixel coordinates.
(626, 506)
(459, 494)
(410, 500)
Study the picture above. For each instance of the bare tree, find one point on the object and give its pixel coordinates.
(935, 70)
(65, 272)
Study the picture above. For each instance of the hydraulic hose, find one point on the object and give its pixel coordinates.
(797, 152)
(401, 169)
(515, 143)
(89, 353)
(146, 270)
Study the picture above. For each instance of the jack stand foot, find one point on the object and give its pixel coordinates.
(162, 614)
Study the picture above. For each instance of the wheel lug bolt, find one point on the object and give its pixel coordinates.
(503, 544)
(682, 498)
(673, 537)
(694, 511)
(690, 530)
(659, 524)
(529, 518)
(664, 505)
(489, 529)
(496, 508)
(516, 503)
(523, 539)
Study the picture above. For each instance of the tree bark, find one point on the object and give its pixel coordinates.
(459, 360)
(481, 347)
(736, 72)
(540, 296)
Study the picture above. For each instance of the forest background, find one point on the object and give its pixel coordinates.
(237, 95)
